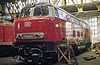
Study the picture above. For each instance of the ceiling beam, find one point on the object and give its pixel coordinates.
(64, 3)
(97, 5)
(54, 1)
(78, 6)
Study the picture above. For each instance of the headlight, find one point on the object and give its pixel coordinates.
(18, 36)
(39, 35)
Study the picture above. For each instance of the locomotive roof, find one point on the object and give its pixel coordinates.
(38, 4)
(49, 4)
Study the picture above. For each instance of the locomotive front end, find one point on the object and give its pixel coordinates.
(38, 33)
(33, 36)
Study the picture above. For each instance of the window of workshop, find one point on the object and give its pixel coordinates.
(77, 1)
(69, 2)
(93, 28)
(98, 26)
(86, 1)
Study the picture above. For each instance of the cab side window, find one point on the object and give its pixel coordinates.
(51, 11)
(62, 14)
(56, 12)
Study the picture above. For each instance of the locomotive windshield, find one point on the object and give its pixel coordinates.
(39, 10)
(35, 11)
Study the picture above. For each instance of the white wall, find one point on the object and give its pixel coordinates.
(94, 24)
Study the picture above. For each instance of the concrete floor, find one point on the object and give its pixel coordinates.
(81, 61)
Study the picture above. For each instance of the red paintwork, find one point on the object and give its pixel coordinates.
(7, 33)
(45, 24)
(1, 32)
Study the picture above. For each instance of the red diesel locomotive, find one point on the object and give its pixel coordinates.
(41, 27)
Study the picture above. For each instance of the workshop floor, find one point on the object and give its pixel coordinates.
(80, 59)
